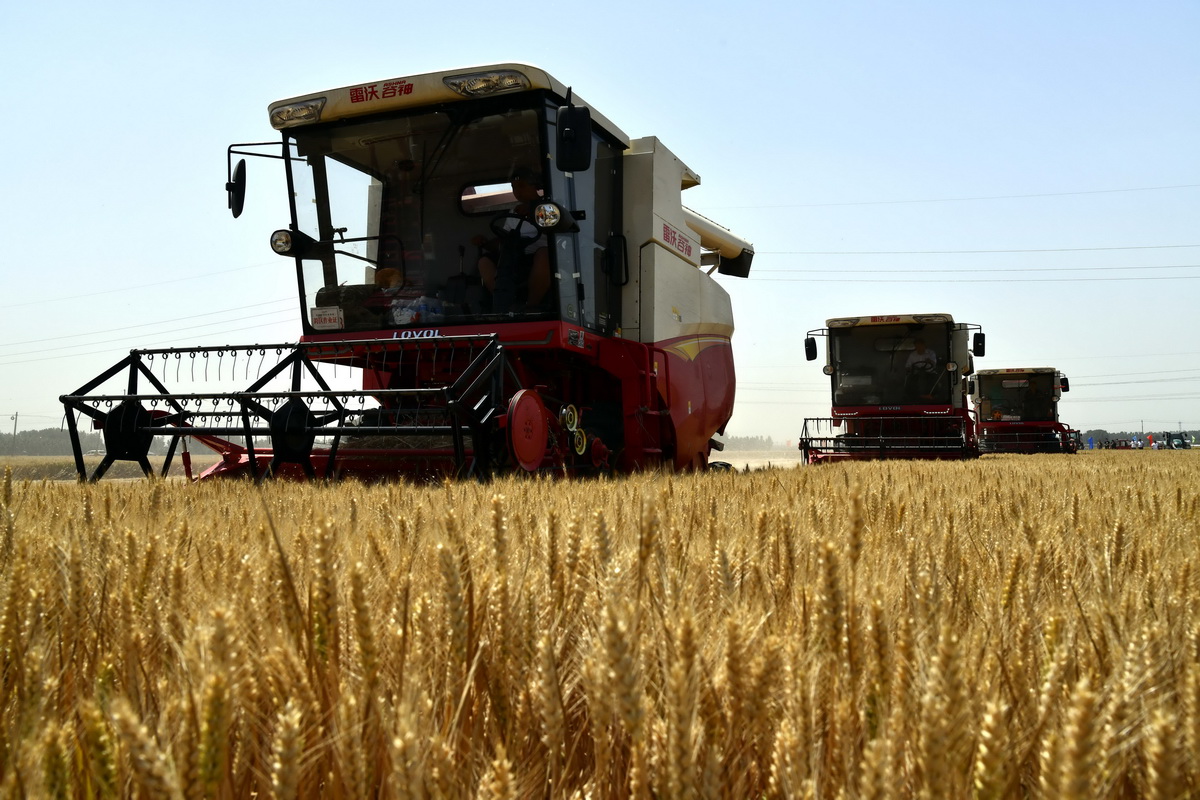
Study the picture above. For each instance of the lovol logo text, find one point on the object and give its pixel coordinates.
(428, 333)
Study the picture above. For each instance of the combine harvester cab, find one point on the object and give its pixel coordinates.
(899, 390)
(1016, 411)
(511, 283)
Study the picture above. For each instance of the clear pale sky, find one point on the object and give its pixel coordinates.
(1031, 167)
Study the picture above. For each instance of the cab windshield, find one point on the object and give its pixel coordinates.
(1016, 398)
(412, 216)
(903, 364)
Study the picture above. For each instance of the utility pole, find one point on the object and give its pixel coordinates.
(14, 444)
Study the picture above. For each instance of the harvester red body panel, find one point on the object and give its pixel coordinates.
(897, 388)
(513, 282)
(1016, 411)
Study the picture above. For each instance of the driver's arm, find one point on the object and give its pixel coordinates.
(486, 246)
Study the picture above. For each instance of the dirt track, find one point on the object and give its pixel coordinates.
(759, 459)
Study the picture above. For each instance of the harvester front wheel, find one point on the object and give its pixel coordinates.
(528, 431)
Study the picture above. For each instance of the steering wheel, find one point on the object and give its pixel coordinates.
(921, 368)
(516, 232)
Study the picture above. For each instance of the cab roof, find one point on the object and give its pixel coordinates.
(888, 319)
(426, 89)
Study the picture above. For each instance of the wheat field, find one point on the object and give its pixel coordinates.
(1009, 627)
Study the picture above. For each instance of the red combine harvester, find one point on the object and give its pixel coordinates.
(514, 280)
(898, 389)
(1016, 411)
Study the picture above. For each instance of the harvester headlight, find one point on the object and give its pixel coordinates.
(294, 243)
(281, 242)
(477, 84)
(549, 216)
(827, 369)
(304, 113)
(951, 366)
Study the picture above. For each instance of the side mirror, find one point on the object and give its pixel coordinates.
(971, 388)
(1064, 384)
(574, 135)
(810, 349)
(236, 188)
(977, 345)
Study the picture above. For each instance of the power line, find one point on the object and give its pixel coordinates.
(59, 299)
(967, 252)
(1134, 398)
(969, 199)
(1137, 422)
(908, 271)
(102, 352)
(752, 386)
(1127, 355)
(1144, 380)
(980, 280)
(1127, 374)
(1059, 359)
(146, 324)
(190, 329)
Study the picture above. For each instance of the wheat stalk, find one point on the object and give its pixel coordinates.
(152, 770)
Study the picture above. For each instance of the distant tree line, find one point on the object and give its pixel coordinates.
(45, 442)
(57, 442)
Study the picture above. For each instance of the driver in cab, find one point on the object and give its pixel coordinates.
(921, 365)
(921, 359)
(515, 266)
